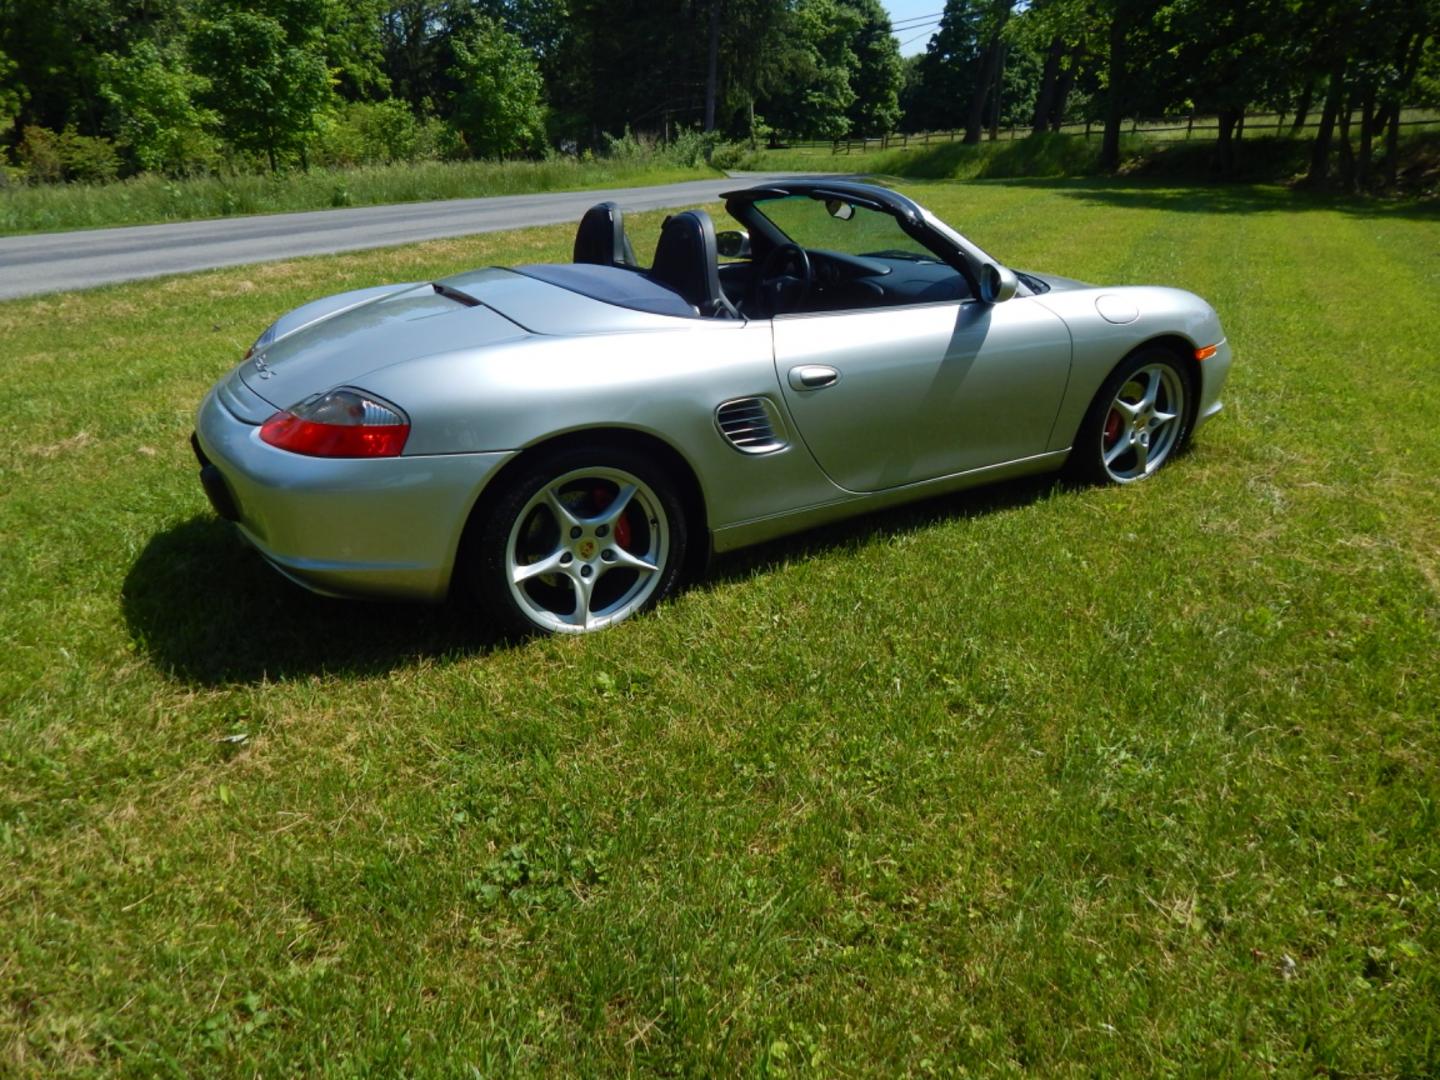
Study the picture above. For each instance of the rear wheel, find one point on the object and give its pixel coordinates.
(1138, 421)
(579, 541)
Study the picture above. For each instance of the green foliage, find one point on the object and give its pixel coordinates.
(11, 95)
(383, 133)
(878, 73)
(945, 75)
(160, 123)
(267, 81)
(48, 157)
(498, 106)
(819, 96)
(369, 133)
(691, 149)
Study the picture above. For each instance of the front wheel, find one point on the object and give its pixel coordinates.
(1137, 422)
(578, 541)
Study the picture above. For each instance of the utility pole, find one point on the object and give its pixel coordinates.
(713, 66)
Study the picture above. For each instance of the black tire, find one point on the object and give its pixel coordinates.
(1136, 444)
(554, 511)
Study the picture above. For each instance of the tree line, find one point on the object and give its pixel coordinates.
(1351, 65)
(91, 89)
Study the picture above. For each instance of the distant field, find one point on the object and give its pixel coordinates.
(1030, 780)
(147, 200)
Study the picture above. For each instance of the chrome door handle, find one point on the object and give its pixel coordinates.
(813, 377)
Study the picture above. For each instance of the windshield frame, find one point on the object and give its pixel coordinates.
(915, 221)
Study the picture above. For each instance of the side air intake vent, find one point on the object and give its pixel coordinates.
(751, 425)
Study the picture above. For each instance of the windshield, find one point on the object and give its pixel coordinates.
(835, 225)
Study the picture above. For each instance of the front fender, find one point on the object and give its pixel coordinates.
(1102, 340)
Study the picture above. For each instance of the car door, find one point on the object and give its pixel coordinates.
(893, 396)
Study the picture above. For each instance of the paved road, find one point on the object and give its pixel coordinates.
(51, 262)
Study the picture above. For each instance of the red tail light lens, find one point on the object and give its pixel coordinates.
(343, 423)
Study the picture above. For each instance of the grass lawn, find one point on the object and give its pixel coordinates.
(1033, 779)
(146, 200)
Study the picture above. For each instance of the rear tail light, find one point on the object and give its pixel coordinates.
(343, 423)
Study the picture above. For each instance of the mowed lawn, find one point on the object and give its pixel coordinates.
(1031, 779)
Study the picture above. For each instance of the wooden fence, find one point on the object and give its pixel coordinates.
(1163, 128)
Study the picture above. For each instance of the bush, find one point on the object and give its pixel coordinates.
(368, 133)
(736, 155)
(49, 157)
(691, 149)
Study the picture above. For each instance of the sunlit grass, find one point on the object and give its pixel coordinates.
(1086, 782)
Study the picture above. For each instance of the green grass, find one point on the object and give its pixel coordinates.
(146, 200)
(1259, 158)
(1070, 782)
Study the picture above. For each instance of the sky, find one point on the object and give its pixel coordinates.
(914, 29)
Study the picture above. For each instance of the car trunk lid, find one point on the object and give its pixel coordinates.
(342, 348)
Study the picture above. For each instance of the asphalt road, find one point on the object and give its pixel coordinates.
(52, 262)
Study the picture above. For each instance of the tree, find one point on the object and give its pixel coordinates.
(353, 48)
(268, 82)
(1061, 34)
(948, 69)
(154, 95)
(498, 106)
(819, 95)
(1224, 59)
(991, 28)
(878, 73)
(10, 93)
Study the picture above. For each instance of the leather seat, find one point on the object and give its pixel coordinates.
(601, 238)
(687, 260)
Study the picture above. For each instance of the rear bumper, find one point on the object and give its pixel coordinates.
(385, 527)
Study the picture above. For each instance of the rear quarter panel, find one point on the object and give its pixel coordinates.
(665, 383)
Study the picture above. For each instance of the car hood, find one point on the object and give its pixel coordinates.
(340, 348)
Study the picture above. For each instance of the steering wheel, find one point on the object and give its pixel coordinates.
(784, 279)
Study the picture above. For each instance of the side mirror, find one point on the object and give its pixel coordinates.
(733, 244)
(997, 284)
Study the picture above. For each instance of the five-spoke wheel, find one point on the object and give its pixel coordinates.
(1137, 422)
(580, 541)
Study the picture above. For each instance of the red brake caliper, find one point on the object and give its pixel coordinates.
(602, 499)
(1112, 428)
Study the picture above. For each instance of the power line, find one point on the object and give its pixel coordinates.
(923, 34)
(904, 24)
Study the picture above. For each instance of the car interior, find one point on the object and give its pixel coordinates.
(778, 276)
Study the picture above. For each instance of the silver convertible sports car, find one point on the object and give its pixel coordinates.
(563, 442)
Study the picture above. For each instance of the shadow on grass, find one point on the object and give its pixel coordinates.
(205, 607)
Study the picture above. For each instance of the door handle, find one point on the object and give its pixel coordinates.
(813, 377)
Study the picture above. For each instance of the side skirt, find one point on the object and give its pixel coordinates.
(758, 530)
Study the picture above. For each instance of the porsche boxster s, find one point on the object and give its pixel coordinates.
(562, 442)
